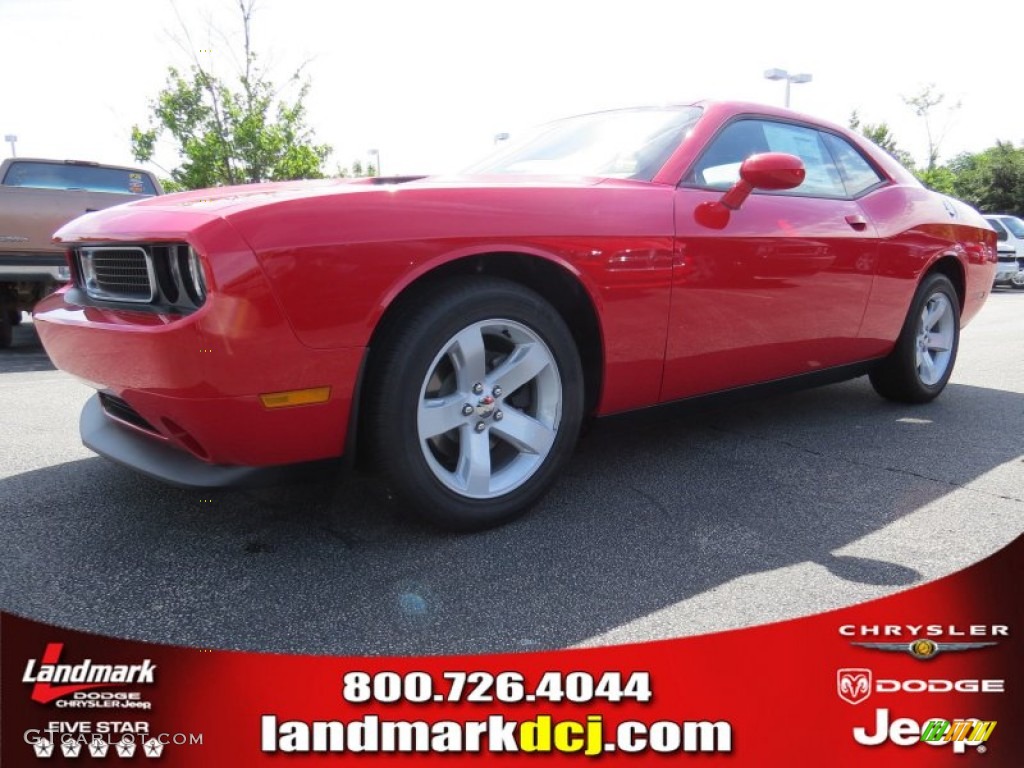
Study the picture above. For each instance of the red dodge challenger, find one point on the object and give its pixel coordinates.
(466, 326)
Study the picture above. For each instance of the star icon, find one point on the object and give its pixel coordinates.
(71, 748)
(154, 748)
(98, 747)
(125, 748)
(43, 748)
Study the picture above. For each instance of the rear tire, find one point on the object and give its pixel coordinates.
(6, 330)
(920, 364)
(474, 401)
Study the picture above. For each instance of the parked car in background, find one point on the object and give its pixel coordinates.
(1010, 269)
(1009, 230)
(1010, 236)
(457, 331)
(38, 196)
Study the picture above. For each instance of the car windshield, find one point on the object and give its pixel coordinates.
(625, 144)
(1014, 224)
(1001, 233)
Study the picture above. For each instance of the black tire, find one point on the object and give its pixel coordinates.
(6, 330)
(15, 317)
(899, 376)
(428, 355)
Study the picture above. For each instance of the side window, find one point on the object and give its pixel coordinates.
(719, 166)
(823, 179)
(1013, 225)
(1001, 234)
(858, 174)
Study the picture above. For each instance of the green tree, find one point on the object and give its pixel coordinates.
(993, 180)
(880, 134)
(231, 134)
(940, 178)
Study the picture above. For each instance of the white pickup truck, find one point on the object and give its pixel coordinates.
(36, 198)
(1010, 245)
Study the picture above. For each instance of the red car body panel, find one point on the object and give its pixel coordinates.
(300, 275)
(624, 259)
(784, 293)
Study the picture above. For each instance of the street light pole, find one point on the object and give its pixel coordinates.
(781, 74)
(11, 139)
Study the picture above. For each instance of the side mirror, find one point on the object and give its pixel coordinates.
(769, 170)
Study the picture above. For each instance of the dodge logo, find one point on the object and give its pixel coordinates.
(853, 685)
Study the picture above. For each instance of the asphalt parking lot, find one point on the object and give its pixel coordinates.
(662, 527)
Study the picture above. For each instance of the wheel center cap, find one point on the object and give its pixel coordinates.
(485, 407)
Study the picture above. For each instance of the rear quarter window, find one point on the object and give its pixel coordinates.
(858, 174)
(89, 178)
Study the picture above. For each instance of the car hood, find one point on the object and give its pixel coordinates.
(363, 205)
(226, 200)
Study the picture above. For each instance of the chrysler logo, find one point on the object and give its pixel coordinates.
(923, 648)
(853, 685)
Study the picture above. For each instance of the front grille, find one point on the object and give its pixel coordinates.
(117, 274)
(164, 277)
(120, 410)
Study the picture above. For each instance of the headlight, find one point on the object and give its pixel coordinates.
(196, 280)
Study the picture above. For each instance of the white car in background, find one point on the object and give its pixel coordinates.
(1010, 235)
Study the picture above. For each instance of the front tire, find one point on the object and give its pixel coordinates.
(1017, 281)
(920, 364)
(475, 401)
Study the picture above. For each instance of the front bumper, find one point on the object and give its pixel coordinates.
(195, 384)
(1005, 271)
(163, 461)
(15, 266)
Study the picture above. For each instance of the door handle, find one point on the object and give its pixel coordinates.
(857, 221)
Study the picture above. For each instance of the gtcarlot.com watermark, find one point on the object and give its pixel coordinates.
(100, 739)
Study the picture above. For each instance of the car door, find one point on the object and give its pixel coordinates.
(780, 290)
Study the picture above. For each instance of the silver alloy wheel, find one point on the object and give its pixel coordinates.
(935, 331)
(1018, 279)
(489, 408)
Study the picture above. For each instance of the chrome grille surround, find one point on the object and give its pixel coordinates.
(117, 273)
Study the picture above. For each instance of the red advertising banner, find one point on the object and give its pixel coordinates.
(927, 677)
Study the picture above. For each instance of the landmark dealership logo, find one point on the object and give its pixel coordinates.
(52, 680)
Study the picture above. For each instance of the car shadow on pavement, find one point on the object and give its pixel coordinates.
(651, 513)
